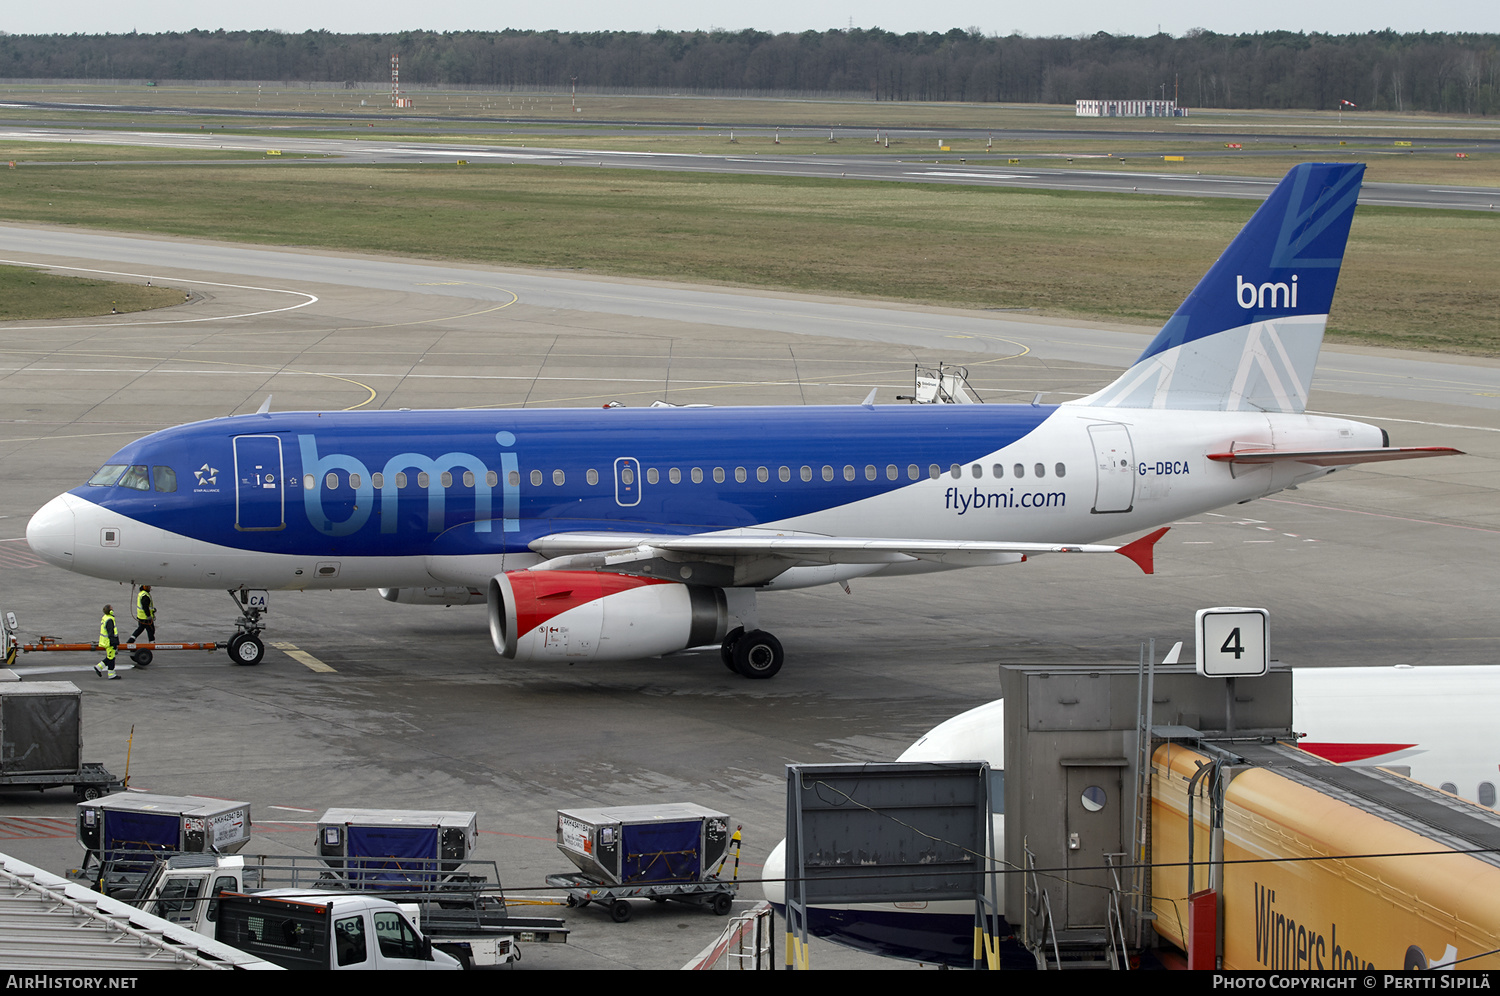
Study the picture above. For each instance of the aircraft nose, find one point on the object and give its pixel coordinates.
(51, 532)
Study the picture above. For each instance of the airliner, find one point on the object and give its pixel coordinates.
(1402, 718)
(621, 533)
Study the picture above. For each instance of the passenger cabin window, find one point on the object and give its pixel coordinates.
(354, 480)
(1020, 469)
(1487, 794)
(423, 480)
(956, 471)
(848, 472)
(400, 479)
(740, 475)
(976, 471)
(592, 476)
(827, 473)
(308, 483)
(513, 478)
(1041, 470)
(674, 475)
(331, 481)
(892, 472)
(536, 478)
(785, 473)
(697, 475)
(377, 479)
(559, 478)
(718, 475)
(913, 471)
(763, 475)
(446, 477)
(165, 479)
(652, 476)
(107, 475)
(468, 478)
(1060, 470)
(491, 479)
(998, 470)
(934, 471)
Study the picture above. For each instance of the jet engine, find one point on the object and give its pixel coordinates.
(595, 616)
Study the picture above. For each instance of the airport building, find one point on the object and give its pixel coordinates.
(1129, 109)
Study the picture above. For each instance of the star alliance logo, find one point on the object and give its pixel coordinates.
(207, 475)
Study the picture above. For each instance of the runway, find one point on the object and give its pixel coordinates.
(1392, 564)
(1107, 175)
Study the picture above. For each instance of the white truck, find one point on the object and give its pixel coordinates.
(304, 930)
(450, 916)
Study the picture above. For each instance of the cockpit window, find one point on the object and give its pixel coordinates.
(108, 474)
(165, 478)
(136, 478)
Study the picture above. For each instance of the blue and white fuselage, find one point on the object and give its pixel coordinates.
(604, 534)
(402, 499)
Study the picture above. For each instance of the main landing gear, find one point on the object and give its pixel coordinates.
(246, 646)
(756, 654)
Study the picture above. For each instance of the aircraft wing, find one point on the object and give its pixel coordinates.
(1333, 458)
(606, 550)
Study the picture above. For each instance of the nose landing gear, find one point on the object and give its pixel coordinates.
(246, 647)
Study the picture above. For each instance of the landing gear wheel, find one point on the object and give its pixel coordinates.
(726, 649)
(758, 654)
(246, 649)
(721, 904)
(141, 657)
(619, 911)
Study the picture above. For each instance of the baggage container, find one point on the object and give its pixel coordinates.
(622, 845)
(40, 728)
(396, 846)
(137, 821)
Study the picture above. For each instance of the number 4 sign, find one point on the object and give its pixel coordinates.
(1232, 642)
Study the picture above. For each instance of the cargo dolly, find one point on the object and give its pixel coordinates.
(710, 892)
(89, 781)
(660, 852)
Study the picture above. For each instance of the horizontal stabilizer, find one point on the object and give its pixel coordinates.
(1333, 458)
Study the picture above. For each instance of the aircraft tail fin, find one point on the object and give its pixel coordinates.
(1247, 337)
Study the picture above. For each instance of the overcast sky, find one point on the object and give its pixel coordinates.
(1060, 17)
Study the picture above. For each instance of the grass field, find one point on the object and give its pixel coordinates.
(1419, 279)
(31, 294)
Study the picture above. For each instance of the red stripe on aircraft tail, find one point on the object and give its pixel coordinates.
(1344, 753)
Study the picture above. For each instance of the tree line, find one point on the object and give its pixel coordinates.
(1379, 70)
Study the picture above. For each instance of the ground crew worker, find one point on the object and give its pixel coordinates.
(145, 615)
(109, 642)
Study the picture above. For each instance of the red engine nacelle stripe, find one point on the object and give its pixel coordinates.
(543, 595)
